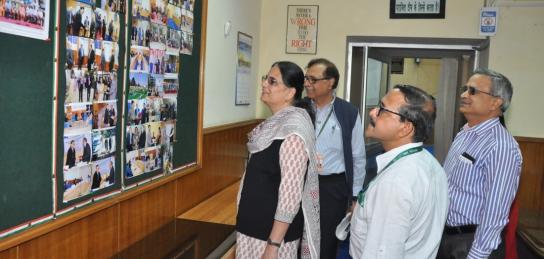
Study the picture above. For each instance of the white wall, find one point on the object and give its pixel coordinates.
(518, 51)
(515, 51)
(221, 58)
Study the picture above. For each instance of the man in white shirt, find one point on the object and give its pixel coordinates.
(401, 213)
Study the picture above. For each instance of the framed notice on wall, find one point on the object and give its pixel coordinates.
(417, 9)
(243, 69)
(302, 29)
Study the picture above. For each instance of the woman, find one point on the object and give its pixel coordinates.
(278, 201)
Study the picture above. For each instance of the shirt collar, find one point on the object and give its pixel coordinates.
(384, 159)
(326, 107)
(479, 129)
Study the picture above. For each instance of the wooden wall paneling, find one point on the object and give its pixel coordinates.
(224, 156)
(144, 214)
(531, 187)
(9, 253)
(94, 236)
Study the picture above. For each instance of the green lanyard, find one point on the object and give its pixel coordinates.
(361, 196)
(325, 123)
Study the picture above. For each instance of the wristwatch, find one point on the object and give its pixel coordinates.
(272, 243)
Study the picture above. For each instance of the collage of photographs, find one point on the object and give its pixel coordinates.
(90, 103)
(157, 40)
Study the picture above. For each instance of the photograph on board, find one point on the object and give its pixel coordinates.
(187, 21)
(77, 150)
(109, 56)
(104, 115)
(167, 156)
(186, 43)
(153, 159)
(77, 182)
(79, 17)
(80, 85)
(153, 108)
(106, 87)
(171, 66)
(135, 108)
(156, 57)
(173, 42)
(141, 33)
(155, 88)
(174, 17)
(135, 163)
(141, 9)
(139, 59)
(158, 36)
(113, 27)
(170, 132)
(158, 11)
(103, 143)
(25, 18)
(170, 87)
(138, 85)
(168, 109)
(103, 173)
(78, 119)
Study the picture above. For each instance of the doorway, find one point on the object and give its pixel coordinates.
(374, 65)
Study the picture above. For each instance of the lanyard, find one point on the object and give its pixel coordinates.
(324, 123)
(361, 195)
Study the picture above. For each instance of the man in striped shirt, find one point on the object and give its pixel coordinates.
(483, 168)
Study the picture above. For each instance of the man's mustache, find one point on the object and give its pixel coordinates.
(371, 121)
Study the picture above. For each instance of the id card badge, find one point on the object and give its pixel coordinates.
(319, 158)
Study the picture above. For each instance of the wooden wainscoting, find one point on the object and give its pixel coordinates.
(531, 186)
(107, 228)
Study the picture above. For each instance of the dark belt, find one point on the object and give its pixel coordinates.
(466, 229)
(332, 176)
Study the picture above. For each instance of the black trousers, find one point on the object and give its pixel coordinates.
(457, 246)
(333, 198)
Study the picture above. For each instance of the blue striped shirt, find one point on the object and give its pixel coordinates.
(483, 168)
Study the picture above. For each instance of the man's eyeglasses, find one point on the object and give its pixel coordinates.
(472, 90)
(383, 109)
(270, 80)
(314, 80)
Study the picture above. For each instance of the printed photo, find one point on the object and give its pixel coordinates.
(135, 137)
(187, 21)
(155, 88)
(153, 159)
(104, 115)
(106, 89)
(136, 109)
(112, 32)
(158, 11)
(77, 150)
(170, 87)
(25, 18)
(77, 182)
(175, 2)
(168, 155)
(153, 134)
(171, 65)
(186, 43)
(141, 33)
(77, 119)
(139, 59)
(135, 163)
(112, 5)
(109, 56)
(189, 5)
(80, 86)
(77, 52)
(169, 132)
(156, 61)
(103, 143)
(99, 26)
(141, 9)
(169, 109)
(138, 85)
(174, 17)
(103, 173)
(158, 36)
(153, 108)
(79, 17)
(173, 42)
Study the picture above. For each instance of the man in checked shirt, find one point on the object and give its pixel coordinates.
(483, 168)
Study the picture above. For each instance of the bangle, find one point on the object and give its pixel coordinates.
(272, 243)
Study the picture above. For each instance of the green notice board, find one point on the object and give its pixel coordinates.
(26, 102)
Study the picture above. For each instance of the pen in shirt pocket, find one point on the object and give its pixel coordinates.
(468, 157)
